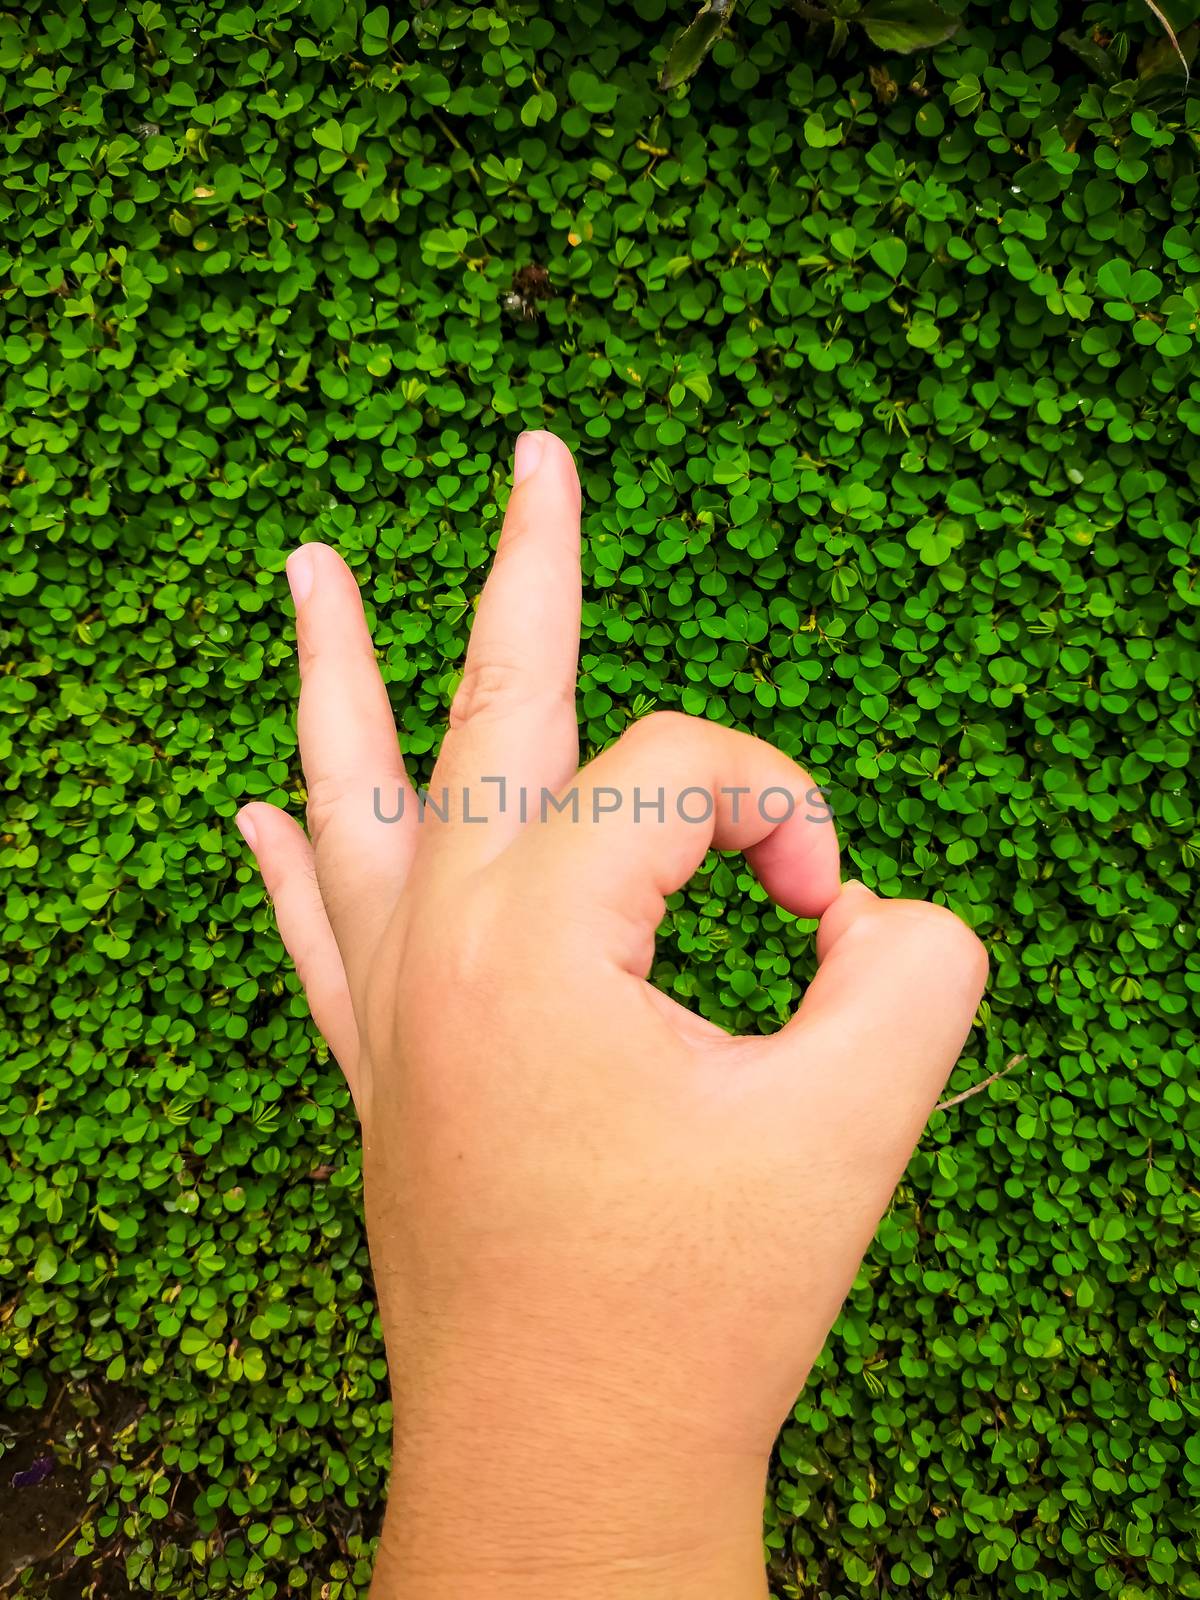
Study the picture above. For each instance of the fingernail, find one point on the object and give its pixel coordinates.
(860, 888)
(300, 574)
(247, 829)
(527, 457)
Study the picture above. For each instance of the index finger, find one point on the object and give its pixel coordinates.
(362, 830)
(643, 814)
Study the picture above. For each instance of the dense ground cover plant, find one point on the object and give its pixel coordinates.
(883, 376)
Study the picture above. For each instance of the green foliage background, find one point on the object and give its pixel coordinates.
(886, 395)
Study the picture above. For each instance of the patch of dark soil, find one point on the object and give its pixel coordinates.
(47, 1459)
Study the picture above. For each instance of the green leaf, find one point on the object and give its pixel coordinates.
(690, 47)
(253, 1365)
(590, 92)
(699, 385)
(329, 136)
(930, 121)
(903, 26)
(966, 94)
(46, 1265)
(889, 255)
(157, 153)
(923, 334)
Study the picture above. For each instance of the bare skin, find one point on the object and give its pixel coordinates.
(608, 1238)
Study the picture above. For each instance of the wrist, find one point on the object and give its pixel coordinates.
(527, 1559)
(549, 1494)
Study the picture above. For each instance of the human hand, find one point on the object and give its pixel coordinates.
(608, 1238)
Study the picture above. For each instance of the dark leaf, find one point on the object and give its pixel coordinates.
(1172, 38)
(1094, 57)
(694, 43)
(1171, 55)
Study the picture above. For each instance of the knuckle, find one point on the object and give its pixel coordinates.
(956, 941)
(453, 950)
(325, 796)
(303, 963)
(662, 727)
(494, 686)
(484, 684)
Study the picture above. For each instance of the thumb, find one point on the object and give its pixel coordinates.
(884, 1020)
